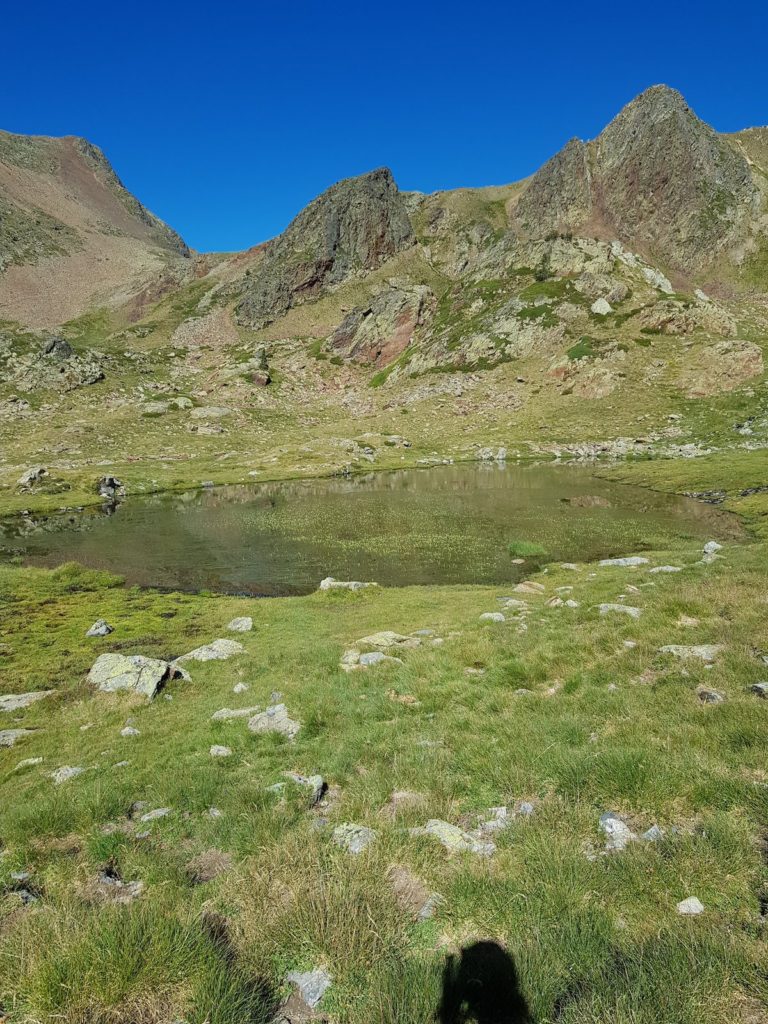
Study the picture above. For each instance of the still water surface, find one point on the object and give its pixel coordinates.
(452, 524)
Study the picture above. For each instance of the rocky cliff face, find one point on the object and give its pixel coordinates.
(658, 178)
(354, 226)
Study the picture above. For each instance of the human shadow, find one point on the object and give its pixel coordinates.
(481, 986)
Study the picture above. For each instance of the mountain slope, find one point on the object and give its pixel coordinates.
(71, 235)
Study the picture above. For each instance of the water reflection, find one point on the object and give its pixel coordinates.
(451, 524)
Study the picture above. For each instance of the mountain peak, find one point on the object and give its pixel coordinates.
(656, 177)
(354, 225)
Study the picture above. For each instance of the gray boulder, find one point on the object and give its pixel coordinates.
(9, 736)
(113, 672)
(243, 624)
(312, 985)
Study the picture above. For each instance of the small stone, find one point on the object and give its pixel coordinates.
(377, 658)
(329, 583)
(653, 835)
(523, 692)
(353, 838)
(629, 644)
(529, 587)
(712, 547)
(315, 783)
(630, 561)
(129, 730)
(690, 906)
(568, 565)
(709, 696)
(65, 773)
(623, 609)
(704, 652)
(228, 714)
(214, 812)
(219, 751)
(760, 689)
(570, 603)
(159, 812)
(19, 701)
(244, 624)
(455, 839)
(386, 638)
(28, 762)
(312, 985)
(493, 617)
(618, 832)
(525, 808)
(601, 307)
(240, 688)
(274, 719)
(665, 568)
(100, 628)
(218, 650)
(554, 602)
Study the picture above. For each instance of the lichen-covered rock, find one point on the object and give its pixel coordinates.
(455, 839)
(242, 624)
(9, 736)
(113, 672)
(355, 225)
(218, 650)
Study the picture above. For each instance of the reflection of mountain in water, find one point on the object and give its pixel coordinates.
(445, 525)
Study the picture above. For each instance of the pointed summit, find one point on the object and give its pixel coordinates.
(354, 225)
(657, 177)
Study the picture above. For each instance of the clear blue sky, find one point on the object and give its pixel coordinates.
(225, 119)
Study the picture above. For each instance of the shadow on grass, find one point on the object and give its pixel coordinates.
(481, 987)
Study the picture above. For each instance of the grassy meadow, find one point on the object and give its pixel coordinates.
(608, 723)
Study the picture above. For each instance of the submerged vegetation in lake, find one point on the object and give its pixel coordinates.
(455, 524)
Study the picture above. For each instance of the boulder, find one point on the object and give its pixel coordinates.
(219, 751)
(492, 617)
(760, 689)
(387, 639)
(65, 773)
(112, 672)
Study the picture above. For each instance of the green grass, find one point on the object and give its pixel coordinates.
(592, 940)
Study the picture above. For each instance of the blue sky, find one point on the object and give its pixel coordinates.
(227, 119)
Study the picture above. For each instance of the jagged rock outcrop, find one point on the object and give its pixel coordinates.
(55, 365)
(355, 225)
(656, 177)
(377, 332)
